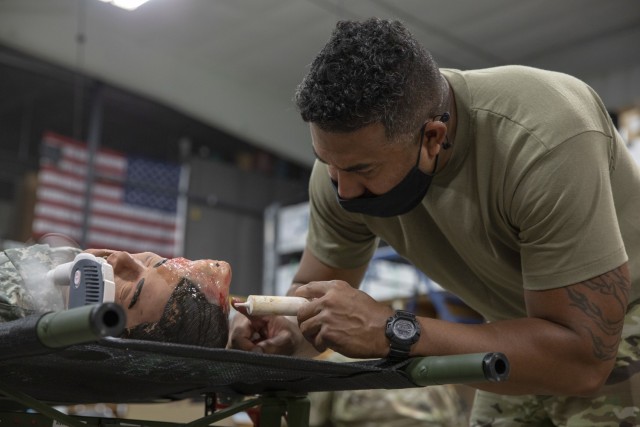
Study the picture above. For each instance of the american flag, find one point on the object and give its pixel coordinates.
(135, 202)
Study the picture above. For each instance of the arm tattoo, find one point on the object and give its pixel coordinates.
(605, 329)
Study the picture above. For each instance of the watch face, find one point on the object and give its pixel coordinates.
(404, 329)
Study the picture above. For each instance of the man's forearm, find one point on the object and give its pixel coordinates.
(545, 358)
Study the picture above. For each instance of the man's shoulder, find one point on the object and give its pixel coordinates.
(506, 71)
(552, 105)
(514, 80)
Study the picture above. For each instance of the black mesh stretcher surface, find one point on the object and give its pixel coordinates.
(130, 371)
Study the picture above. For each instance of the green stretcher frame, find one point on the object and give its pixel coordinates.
(273, 408)
(54, 334)
(423, 371)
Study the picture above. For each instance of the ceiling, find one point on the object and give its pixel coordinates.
(234, 64)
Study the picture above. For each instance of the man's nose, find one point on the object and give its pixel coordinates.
(348, 186)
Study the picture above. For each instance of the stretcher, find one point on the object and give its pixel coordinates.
(41, 368)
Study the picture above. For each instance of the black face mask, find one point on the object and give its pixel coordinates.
(402, 198)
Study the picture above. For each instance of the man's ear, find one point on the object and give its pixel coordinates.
(435, 135)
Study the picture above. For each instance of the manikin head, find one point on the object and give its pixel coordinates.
(173, 300)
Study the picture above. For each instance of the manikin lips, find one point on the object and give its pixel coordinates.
(212, 277)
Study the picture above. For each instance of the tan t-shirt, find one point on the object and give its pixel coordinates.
(540, 192)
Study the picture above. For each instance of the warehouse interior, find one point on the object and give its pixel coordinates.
(208, 85)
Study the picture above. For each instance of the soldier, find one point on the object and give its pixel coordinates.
(508, 186)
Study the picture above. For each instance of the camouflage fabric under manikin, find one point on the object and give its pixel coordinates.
(616, 405)
(435, 406)
(23, 290)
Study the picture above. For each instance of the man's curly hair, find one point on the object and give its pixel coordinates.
(371, 72)
(188, 318)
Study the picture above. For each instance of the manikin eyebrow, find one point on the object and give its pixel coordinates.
(355, 168)
(136, 294)
(159, 263)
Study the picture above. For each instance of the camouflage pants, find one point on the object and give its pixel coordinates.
(618, 404)
(435, 406)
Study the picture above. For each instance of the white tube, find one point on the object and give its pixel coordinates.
(257, 305)
(109, 292)
(61, 275)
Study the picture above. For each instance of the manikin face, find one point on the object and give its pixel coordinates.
(144, 282)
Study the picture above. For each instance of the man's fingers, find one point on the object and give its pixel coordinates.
(240, 309)
(280, 344)
(312, 331)
(242, 338)
(245, 331)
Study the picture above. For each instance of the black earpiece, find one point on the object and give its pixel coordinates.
(444, 117)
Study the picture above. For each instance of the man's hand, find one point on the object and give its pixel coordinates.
(267, 334)
(344, 319)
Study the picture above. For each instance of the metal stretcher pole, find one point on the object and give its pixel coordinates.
(45, 333)
(273, 407)
(459, 369)
(295, 408)
(423, 371)
(298, 411)
(42, 334)
(42, 408)
(225, 413)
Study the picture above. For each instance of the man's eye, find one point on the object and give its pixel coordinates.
(367, 172)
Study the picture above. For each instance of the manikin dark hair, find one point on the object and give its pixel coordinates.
(188, 318)
(372, 72)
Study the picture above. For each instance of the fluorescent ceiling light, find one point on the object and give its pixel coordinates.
(126, 4)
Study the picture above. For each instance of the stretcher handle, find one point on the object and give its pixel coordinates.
(44, 333)
(458, 369)
(81, 325)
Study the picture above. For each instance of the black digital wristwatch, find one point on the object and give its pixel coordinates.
(403, 330)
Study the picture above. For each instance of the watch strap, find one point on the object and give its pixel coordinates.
(397, 354)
